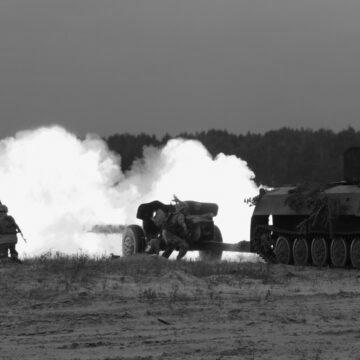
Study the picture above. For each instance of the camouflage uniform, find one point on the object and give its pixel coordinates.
(174, 232)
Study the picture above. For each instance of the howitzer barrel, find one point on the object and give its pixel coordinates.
(108, 229)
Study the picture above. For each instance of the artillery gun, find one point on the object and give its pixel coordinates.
(311, 224)
(204, 235)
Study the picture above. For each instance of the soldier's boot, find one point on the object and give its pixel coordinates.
(14, 255)
(182, 251)
(153, 247)
(166, 254)
(16, 259)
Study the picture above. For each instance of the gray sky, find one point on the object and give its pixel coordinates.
(179, 65)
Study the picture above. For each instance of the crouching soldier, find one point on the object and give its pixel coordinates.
(174, 232)
(154, 238)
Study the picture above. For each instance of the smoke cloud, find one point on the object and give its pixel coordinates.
(58, 187)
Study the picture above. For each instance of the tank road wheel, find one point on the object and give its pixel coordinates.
(283, 250)
(211, 254)
(355, 253)
(319, 252)
(301, 251)
(339, 252)
(133, 241)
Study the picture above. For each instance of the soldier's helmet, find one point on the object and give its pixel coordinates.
(3, 209)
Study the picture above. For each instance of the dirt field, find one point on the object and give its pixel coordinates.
(149, 308)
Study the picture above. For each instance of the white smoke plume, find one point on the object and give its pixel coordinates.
(57, 187)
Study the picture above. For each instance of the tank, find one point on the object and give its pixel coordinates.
(311, 224)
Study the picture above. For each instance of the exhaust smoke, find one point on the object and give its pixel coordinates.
(58, 188)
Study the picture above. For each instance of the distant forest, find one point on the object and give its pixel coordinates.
(278, 157)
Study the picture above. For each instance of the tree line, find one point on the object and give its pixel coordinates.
(277, 157)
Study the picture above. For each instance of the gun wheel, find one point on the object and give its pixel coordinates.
(319, 252)
(133, 241)
(283, 250)
(339, 252)
(301, 252)
(355, 253)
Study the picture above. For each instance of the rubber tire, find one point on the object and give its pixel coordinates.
(283, 250)
(212, 255)
(355, 256)
(316, 245)
(337, 245)
(133, 241)
(301, 252)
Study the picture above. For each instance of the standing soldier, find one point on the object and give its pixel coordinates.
(174, 232)
(8, 234)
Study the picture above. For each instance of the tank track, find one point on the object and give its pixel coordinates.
(268, 256)
(265, 247)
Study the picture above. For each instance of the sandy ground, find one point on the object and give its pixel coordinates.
(257, 312)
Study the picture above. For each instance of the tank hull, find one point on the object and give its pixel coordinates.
(323, 231)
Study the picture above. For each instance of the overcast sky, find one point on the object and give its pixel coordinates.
(179, 65)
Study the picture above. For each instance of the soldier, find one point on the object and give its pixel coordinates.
(174, 232)
(158, 220)
(152, 237)
(12, 227)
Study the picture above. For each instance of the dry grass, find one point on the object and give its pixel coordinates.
(142, 266)
(51, 275)
(148, 278)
